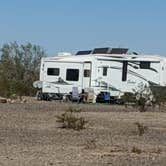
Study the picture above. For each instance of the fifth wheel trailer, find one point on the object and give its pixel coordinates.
(110, 70)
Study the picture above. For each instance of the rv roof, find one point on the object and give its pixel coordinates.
(107, 57)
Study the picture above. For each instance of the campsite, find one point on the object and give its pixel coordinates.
(96, 130)
(30, 135)
(83, 83)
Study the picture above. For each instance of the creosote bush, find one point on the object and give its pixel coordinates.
(141, 129)
(71, 119)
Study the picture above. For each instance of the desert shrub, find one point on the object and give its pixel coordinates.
(90, 144)
(128, 97)
(71, 119)
(141, 97)
(144, 97)
(141, 129)
(141, 103)
(136, 150)
(159, 93)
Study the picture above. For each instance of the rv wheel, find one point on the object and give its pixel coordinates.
(68, 98)
(39, 95)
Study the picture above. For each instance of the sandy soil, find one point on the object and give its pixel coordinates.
(30, 136)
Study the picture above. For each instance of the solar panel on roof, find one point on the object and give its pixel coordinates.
(84, 52)
(118, 51)
(101, 50)
(105, 50)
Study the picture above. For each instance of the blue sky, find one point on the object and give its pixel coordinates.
(70, 25)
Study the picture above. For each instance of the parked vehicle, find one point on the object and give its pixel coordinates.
(101, 70)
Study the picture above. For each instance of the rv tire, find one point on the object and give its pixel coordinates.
(39, 95)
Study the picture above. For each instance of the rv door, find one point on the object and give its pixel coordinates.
(86, 75)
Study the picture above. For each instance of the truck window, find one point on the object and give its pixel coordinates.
(72, 74)
(53, 71)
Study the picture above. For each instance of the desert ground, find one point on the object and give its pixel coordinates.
(30, 136)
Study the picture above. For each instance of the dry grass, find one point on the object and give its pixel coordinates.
(30, 136)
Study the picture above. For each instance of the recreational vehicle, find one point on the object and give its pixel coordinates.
(111, 70)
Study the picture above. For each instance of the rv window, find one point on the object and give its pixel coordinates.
(124, 71)
(86, 73)
(72, 74)
(104, 71)
(144, 65)
(53, 71)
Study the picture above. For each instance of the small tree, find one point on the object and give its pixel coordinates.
(19, 68)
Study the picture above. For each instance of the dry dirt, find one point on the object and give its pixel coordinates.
(30, 136)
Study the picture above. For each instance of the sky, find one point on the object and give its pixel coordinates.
(71, 25)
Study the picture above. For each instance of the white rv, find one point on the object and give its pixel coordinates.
(102, 70)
